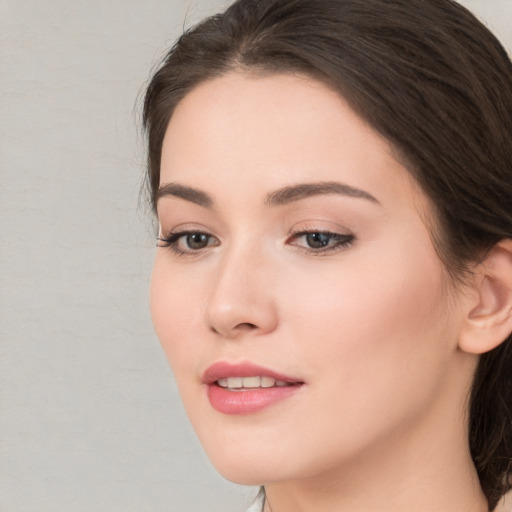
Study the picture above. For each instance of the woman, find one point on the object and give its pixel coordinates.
(333, 283)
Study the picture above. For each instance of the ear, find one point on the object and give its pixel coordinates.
(489, 320)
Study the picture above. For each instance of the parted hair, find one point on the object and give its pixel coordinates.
(431, 79)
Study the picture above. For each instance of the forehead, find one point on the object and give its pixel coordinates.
(274, 130)
(264, 102)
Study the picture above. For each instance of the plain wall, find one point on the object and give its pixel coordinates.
(90, 419)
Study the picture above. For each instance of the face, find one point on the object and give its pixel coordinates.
(296, 290)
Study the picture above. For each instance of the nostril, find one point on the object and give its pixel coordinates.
(241, 327)
(246, 326)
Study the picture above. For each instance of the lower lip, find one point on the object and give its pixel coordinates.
(247, 401)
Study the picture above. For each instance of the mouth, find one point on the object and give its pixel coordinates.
(247, 388)
(244, 383)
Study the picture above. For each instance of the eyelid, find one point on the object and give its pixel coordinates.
(342, 240)
(164, 231)
(172, 238)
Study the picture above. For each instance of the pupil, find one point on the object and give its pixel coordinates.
(197, 241)
(318, 240)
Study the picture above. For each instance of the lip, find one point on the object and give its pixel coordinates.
(248, 401)
(224, 370)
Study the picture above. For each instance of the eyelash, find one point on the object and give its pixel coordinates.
(338, 241)
(171, 241)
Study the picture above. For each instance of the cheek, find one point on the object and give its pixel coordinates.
(377, 330)
(369, 291)
(175, 311)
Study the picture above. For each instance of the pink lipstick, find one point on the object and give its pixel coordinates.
(246, 388)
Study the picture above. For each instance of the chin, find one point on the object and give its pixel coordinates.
(245, 478)
(248, 467)
(247, 474)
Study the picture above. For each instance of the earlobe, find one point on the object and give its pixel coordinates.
(489, 320)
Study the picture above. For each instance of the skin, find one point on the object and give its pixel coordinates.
(372, 328)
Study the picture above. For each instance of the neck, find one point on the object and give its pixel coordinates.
(448, 486)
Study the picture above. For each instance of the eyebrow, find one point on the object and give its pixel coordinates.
(293, 193)
(187, 193)
(282, 196)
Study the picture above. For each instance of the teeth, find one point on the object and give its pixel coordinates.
(267, 382)
(235, 382)
(250, 382)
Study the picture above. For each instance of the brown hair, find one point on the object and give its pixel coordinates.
(436, 84)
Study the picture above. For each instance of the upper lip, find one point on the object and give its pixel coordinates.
(224, 370)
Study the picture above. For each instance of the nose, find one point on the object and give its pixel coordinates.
(241, 301)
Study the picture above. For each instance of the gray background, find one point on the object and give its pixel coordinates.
(89, 414)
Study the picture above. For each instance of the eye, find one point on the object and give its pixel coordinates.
(187, 242)
(196, 240)
(320, 242)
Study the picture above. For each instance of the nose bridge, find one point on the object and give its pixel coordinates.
(241, 299)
